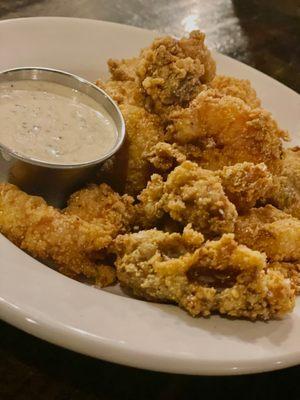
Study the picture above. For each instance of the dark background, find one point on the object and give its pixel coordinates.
(264, 34)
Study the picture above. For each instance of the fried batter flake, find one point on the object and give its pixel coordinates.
(123, 92)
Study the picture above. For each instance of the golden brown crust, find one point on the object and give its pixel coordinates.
(165, 156)
(216, 154)
(291, 166)
(129, 171)
(207, 199)
(48, 234)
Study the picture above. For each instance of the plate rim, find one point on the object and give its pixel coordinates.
(137, 359)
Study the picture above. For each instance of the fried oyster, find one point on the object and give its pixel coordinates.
(172, 72)
(201, 277)
(190, 194)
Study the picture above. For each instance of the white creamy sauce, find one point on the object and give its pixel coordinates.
(53, 123)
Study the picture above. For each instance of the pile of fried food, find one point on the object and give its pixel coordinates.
(203, 206)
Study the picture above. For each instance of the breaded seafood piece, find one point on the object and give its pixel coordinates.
(71, 243)
(189, 195)
(100, 205)
(271, 231)
(202, 278)
(240, 88)
(246, 183)
(172, 72)
(130, 170)
(228, 131)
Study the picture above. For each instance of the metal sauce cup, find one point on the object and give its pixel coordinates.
(55, 182)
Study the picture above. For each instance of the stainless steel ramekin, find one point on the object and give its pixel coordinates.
(55, 182)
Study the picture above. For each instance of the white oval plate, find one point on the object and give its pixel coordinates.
(103, 324)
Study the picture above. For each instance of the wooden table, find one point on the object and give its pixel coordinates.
(262, 33)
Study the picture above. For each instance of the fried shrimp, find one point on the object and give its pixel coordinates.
(228, 131)
(72, 244)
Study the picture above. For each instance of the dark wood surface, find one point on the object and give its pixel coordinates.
(264, 34)
(31, 369)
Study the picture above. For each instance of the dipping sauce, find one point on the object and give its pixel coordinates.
(50, 122)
